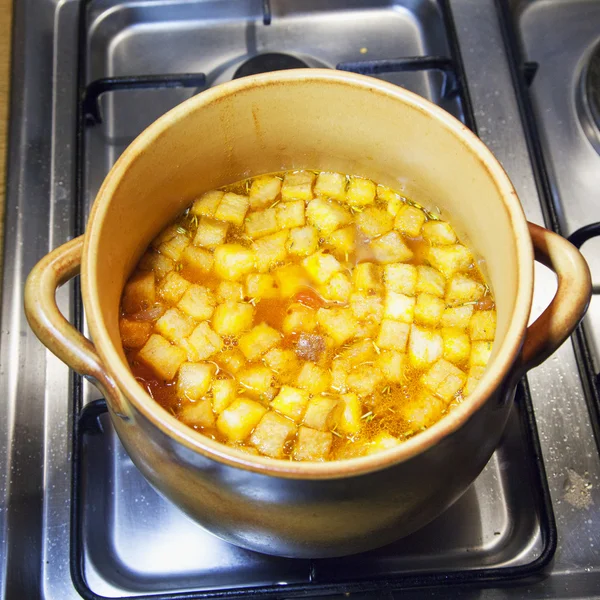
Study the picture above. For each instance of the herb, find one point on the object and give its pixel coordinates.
(336, 433)
(182, 230)
(376, 347)
(368, 417)
(387, 390)
(178, 267)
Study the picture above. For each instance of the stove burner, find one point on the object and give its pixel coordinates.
(588, 98)
(270, 61)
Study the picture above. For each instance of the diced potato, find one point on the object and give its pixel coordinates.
(430, 281)
(322, 413)
(399, 307)
(429, 310)
(382, 441)
(198, 302)
(174, 247)
(475, 374)
(367, 277)
(159, 263)
(272, 433)
(206, 205)
(210, 233)
(401, 278)
(393, 200)
(313, 378)
(261, 223)
(444, 379)
(312, 444)
(174, 325)
(290, 214)
(259, 381)
(458, 316)
(238, 420)
(422, 411)
(297, 185)
(231, 360)
(202, 343)
(261, 285)
(245, 449)
(291, 279)
(390, 248)
(232, 208)
(409, 220)
(393, 335)
(339, 372)
(230, 290)
(364, 379)
(361, 192)
(457, 345)
(338, 288)
(391, 364)
(374, 222)
(172, 287)
(258, 340)
(463, 289)
(425, 346)
(482, 325)
(198, 414)
(284, 363)
(162, 357)
(359, 352)
(450, 259)
(139, 293)
(298, 319)
(264, 190)
(232, 318)
(366, 306)
(331, 185)
(200, 261)
(338, 323)
(348, 419)
(223, 394)
(303, 241)
(327, 215)
(233, 261)
(134, 334)
(168, 233)
(438, 233)
(367, 329)
(291, 402)
(321, 266)
(194, 380)
(480, 353)
(270, 250)
(342, 242)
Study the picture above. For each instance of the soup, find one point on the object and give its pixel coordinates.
(308, 316)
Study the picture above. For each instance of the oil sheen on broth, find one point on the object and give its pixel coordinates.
(307, 316)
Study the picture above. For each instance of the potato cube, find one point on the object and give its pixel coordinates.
(162, 357)
(361, 192)
(393, 335)
(197, 414)
(364, 379)
(409, 220)
(174, 247)
(482, 325)
(233, 261)
(290, 214)
(366, 306)
(198, 260)
(198, 302)
(458, 316)
(158, 263)
(230, 290)
(450, 259)
(134, 334)
(291, 402)
(457, 345)
(259, 381)
(331, 185)
(139, 293)
(223, 394)
(303, 241)
(297, 185)
(339, 372)
(338, 288)
(359, 352)
(272, 433)
(391, 364)
(291, 279)
(367, 277)
(298, 319)
(463, 289)
(210, 233)
(238, 420)
(342, 242)
(348, 419)
(322, 413)
(475, 374)
(261, 285)
(172, 287)
(393, 200)
(312, 444)
(232, 208)
(382, 441)
(270, 250)
(390, 248)
(258, 340)
(327, 216)
(231, 359)
(206, 205)
(399, 307)
(438, 233)
(313, 378)
(429, 310)
(367, 329)
(425, 346)
(261, 223)
(400, 278)
(194, 379)
(174, 325)
(422, 411)
(321, 266)
(338, 323)
(430, 281)
(264, 190)
(202, 343)
(284, 363)
(232, 318)
(480, 353)
(444, 379)
(374, 222)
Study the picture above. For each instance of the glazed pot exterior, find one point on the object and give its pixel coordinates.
(330, 121)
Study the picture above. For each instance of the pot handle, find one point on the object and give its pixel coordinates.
(55, 332)
(557, 322)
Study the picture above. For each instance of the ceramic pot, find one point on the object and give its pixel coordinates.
(332, 121)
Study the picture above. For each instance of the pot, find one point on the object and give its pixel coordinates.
(332, 121)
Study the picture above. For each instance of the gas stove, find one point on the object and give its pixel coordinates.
(76, 517)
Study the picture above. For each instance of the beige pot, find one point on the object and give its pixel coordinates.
(326, 120)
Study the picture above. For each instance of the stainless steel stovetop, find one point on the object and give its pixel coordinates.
(76, 518)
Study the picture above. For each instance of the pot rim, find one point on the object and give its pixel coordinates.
(195, 441)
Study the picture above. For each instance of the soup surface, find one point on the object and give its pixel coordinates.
(307, 316)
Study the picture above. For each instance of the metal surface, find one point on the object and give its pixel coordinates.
(35, 400)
